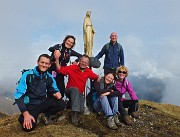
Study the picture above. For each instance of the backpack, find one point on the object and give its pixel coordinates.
(30, 77)
(22, 72)
(27, 81)
(107, 48)
(94, 62)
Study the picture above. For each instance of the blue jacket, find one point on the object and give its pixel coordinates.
(33, 88)
(113, 58)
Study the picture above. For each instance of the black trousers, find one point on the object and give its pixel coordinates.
(50, 107)
(59, 79)
(60, 83)
(132, 106)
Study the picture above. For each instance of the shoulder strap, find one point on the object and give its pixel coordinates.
(107, 48)
(46, 77)
(119, 47)
(30, 77)
(126, 85)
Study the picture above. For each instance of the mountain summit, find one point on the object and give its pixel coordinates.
(156, 120)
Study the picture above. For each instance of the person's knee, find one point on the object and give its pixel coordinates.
(74, 90)
(71, 91)
(104, 98)
(74, 93)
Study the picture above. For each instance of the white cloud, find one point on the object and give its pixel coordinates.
(149, 33)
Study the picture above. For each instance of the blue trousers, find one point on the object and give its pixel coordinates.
(107, 104)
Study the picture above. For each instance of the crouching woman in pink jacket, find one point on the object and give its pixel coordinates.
(123, 85)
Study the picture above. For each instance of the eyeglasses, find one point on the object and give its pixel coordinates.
(124, 72)
(84, 62)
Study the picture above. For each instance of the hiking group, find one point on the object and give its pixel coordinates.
(40, 91)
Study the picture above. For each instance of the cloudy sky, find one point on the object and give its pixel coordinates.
(149, 31)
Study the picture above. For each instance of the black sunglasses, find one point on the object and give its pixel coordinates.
(124, 72)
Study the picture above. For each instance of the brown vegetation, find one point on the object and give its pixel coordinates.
(155, 120)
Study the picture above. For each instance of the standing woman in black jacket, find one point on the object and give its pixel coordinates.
(66, 51)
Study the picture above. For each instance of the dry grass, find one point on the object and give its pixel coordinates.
(155, 120)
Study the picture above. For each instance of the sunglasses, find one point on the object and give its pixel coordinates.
(124, 72)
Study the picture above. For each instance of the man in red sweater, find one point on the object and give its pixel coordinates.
(77, 77)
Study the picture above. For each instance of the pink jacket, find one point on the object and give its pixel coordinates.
(126, 87)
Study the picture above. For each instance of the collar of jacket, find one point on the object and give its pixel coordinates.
(36, 71)
(111, 43)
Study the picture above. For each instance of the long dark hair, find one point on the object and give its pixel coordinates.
(70, 36)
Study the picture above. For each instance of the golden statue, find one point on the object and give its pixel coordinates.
(88, 32)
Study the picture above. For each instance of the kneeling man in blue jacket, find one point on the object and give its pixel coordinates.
(37, 93)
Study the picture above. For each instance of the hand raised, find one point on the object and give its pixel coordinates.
(57, 54)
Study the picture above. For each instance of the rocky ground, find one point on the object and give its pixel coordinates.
(156, 120)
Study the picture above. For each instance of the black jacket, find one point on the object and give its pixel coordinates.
(101, 87)
(65, 54)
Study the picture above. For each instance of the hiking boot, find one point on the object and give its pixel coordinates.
(110, 123)
(74, 118)
(116, 120)
(127, 120)
(44, 119)
(135, 115)
(39, 119)
(61, 118)
(99, 113)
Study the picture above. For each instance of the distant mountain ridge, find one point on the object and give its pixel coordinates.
(7, 107)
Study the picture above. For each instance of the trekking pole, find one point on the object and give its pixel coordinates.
(86, 109)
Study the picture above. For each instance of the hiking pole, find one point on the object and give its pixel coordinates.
(86, 109)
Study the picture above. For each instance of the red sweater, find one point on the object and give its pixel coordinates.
(76, 77)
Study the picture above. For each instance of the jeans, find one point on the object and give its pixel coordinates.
(108, 104)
